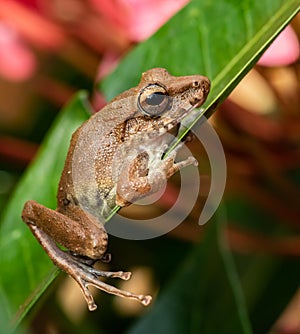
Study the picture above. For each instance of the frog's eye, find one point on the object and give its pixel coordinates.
(153, 100)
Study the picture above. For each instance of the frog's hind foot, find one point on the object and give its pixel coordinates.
(90, 277)
(106, 258)
(86, 275)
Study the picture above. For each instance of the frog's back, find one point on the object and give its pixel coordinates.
(87, 175)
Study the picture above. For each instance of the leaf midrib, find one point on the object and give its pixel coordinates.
(248, 46)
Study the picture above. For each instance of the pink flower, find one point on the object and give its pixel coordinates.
(283, 51)
(17, 62)
(139, 19)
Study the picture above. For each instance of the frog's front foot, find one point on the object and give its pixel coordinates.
(83, 273)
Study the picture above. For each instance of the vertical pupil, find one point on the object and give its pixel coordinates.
(155, 98)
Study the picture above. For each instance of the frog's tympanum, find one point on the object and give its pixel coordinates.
(114, 159)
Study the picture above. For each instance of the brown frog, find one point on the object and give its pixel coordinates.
(114, 159)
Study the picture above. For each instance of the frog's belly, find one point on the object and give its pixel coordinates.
(95, 202)
(91, 171)
(95, 195)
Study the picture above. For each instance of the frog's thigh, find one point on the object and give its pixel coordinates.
(82, 237)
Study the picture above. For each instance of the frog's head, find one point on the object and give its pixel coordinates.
(167, 99)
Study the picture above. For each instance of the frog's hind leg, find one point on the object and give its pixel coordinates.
(84, 274)
(82, 271)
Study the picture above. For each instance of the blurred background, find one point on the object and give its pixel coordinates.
(51, 49)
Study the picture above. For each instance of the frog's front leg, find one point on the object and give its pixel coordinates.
(84, 237)
(146, 174)
(173, 167)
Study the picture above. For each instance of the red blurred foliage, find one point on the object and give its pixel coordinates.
(106, 27)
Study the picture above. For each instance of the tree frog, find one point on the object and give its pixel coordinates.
(114, 158)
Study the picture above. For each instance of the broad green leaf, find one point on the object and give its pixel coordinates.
(25, 270)
(204, 296)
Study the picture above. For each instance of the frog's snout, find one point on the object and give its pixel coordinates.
(205, 87)
(202, 87)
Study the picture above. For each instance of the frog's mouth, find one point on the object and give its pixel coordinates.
(171, 123)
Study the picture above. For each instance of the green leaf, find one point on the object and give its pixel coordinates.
(204, 296)
(25, 269)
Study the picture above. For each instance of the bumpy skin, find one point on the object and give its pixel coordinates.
(114, 158)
